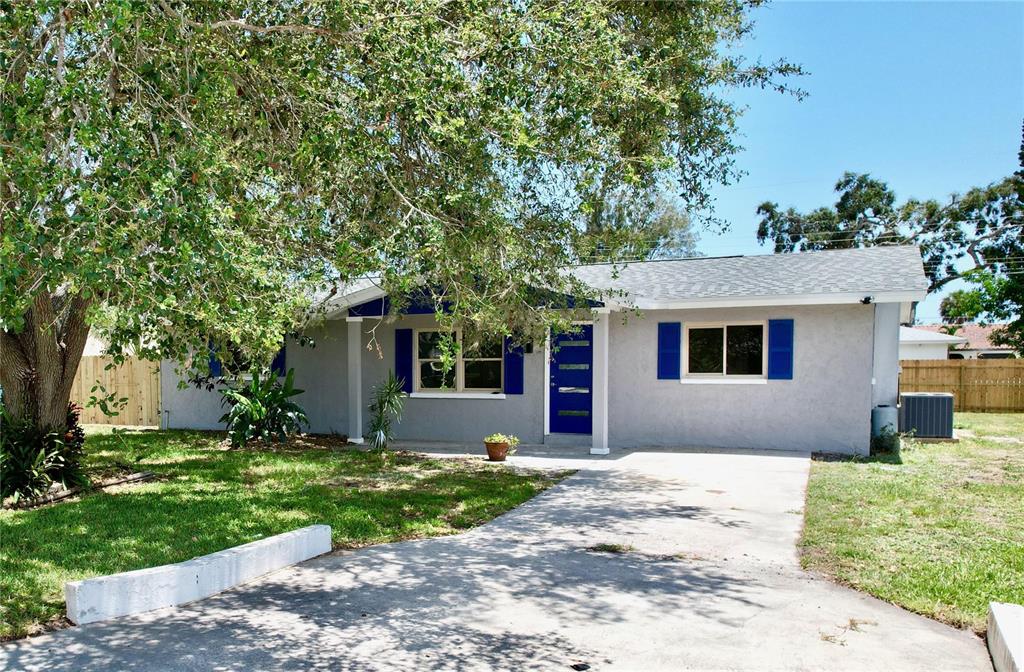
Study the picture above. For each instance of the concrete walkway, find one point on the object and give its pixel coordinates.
(709, 580)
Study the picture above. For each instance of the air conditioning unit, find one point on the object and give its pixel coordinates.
(927, 414)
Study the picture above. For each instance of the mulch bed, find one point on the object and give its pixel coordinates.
(60, 495)
(299, 442)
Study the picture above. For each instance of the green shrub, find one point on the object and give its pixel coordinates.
(388, 399)
(33, 459)
(886, 442)
(263, 409)
(69, 469)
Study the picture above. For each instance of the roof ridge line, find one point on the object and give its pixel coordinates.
(748, 256)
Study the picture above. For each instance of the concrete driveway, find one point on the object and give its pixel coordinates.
(709, 580)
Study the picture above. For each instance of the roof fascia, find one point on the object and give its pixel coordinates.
(783, 300)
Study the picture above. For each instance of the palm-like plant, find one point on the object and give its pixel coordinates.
(263, 409)
(388, 399)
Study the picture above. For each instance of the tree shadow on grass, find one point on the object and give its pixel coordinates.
(210, 500)
(519, 593)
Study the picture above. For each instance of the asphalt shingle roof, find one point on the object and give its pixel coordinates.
(868, 270)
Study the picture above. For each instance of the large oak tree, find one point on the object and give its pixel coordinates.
(184, 173)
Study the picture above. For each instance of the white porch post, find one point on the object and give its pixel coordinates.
(355, 379)
(599, 432)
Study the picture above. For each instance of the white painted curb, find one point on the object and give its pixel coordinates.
(1006, 636)
(104, 597)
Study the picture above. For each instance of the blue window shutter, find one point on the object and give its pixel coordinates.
(669, 341)
(513, 367)
(780, 349)
(403, 358)
(278, 365)
(216, 370)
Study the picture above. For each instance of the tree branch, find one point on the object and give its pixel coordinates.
(239, 24)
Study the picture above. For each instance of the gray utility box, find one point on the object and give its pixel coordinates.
(927, 414)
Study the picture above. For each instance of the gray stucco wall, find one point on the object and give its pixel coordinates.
(826, 407)
(188, 407)
(459, 420)
(320, 371)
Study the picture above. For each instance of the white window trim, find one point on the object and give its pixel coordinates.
(697, 379)
(724, 378)
(442, 394)
(460, 390)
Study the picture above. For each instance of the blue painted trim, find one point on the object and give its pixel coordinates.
(419, 305)
(780, 349)
(513, 378)
(422, 304)
(670, 336)
(216, 370)
(278, 365)
(403, 358)
(374, 308)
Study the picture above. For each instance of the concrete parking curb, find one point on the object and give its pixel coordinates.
(1006, 636)
(106, 597)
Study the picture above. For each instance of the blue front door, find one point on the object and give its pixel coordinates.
(572, 374)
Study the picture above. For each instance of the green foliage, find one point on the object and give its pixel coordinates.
(69, 471)
(958, 307)
(978, 236)
(996, 286)
(214, 170)
(108, 402)
(33, 459)
(886, 442)
(637, 225)
(387, 404)
(263, 410)
(27, 456)
(511, 439)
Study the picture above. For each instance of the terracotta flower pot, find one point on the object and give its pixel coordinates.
(496, 452)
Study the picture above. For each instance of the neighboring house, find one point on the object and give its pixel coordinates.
(978, 341)
(788, 351)
(926, 344)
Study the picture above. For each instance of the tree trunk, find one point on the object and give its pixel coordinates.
(38, 364)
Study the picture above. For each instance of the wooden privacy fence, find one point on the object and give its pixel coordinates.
(136, 379)
(995, 385)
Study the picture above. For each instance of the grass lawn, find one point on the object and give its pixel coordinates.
(938, 531)
(208, 499)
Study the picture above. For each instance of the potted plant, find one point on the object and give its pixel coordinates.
(500, 445)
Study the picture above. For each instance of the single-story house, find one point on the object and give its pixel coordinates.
(926, 344)
(977, 341)
(788, 351)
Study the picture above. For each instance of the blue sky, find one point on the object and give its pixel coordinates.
(928, 96)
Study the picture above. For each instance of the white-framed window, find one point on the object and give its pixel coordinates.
(479, 366)
(725, 350)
